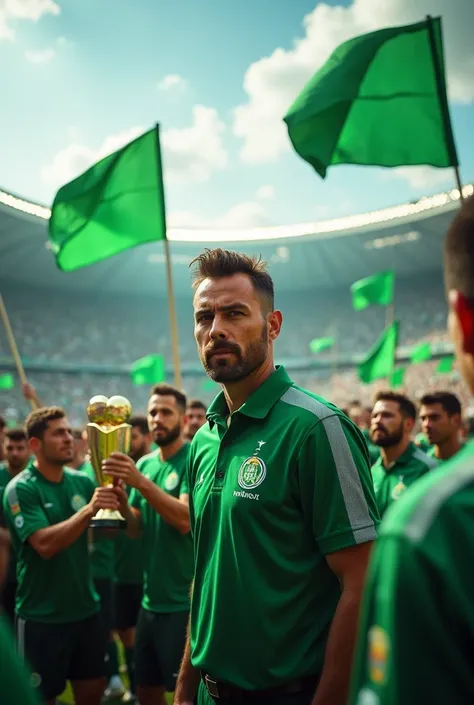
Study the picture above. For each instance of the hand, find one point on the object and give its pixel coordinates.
(121, 467)
(122, 495)
(104, 498)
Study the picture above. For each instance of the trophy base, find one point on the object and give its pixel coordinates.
(108, 519)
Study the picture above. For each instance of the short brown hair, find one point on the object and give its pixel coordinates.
(166, 390)
(447, 400)
(196, 404)
(16, 434)
(38, 420)
(141, 422)
(218, 263)
(407, 407)
(459, 251)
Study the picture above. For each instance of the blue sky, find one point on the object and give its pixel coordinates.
(83, 77)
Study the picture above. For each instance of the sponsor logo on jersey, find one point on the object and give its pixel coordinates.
(172, 481)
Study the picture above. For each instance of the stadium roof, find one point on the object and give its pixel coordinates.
(407, 238)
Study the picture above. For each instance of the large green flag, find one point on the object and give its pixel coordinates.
(397, 378)
(380, 361)
(376, 289)
(445, 365)
(116, 204)
(320, 344)
(380, 99)
(7, 381)
(148, 370)
(421, 353)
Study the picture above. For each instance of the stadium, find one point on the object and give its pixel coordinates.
(79, 332)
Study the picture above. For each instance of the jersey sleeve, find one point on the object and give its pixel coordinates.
(416, 631)
(23, 511)
(135, 499)
(335, 483)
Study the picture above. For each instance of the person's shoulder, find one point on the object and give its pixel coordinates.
(79, 476)
(425, 459)
(309, 407)
(148, 460)
(430, 500)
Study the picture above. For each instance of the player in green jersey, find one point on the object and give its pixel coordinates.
(196, 417)
(417, 632)
(128, 562)
(361, 416)
(159, 512)
(17, 455)
(441, 421)
(47, 509)
(401, 463)
(282, 511)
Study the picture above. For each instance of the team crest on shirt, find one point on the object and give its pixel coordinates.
(378, 646)
(15, 508)
(172, 481)
(35, 680)
(77, 502)
(19, 521)
(399, 488)
(252, 473)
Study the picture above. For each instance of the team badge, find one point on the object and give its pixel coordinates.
(172, 481)
(379, 646)
(19, 521)
(15, 508)
(399, 489)
(77, 502)
(252, 473)
(35, 680)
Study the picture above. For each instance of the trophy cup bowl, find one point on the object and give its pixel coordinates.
(107, 432)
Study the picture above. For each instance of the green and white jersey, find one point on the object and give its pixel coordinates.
(58, 589)
(391, 483)
(416, 639)
(5, 477)
(286, 483)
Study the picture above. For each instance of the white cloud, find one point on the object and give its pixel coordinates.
(265, 193)
(173, 80)
(422, 178)
(33, 10)
(248, 214)
(273, 82)
(190, 154)
(40, 57)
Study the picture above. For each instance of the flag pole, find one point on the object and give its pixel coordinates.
(169, 274)
(14, 347)
(444, 107)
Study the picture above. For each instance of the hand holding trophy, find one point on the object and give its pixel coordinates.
(107, 432)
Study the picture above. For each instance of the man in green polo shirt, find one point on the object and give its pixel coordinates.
(401, 463)
(159, 512)
(441, 421)
(416, 636)
(282, 511)
(47, 509)
(17, 455)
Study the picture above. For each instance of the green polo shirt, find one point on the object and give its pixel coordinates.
(285, 484)
(5, 477)
(59, 589)
(416, 637)
(168, 554)
(390, 484)
(15, 687)
(432, 453)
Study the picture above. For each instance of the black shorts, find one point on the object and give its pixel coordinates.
(7, 600)
(57, 653)
(159, 648)
(103, 587)
(127, 601)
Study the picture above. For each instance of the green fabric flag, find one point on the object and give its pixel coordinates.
(116, 204)
(380, 361)
(376, 289)
(380, 99)
(445, 365)
(398, 377)
(7, 381)
(148, 370)
(319, 344)
(420, 353)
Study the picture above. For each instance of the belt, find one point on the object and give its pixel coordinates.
(227, 691)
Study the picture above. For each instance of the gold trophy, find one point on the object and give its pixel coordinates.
(107, 432)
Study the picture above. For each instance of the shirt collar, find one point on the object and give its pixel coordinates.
(259, 402)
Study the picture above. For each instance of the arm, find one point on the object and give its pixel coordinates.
(130, 510)
(172, 510)
(188, 679)
(349, 566)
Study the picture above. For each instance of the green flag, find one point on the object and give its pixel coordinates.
(116, 204)
(148, 370)
(376, 289)
(420, 353)
(319, 344)
(397, 378)
(380, 99)
(380, 361)
(445, 365)
(7, 381)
